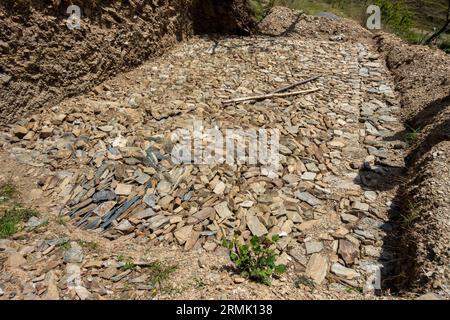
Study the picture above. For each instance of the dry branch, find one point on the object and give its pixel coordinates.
(295, 84)
(270, 95)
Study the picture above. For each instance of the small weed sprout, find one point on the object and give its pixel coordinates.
(65, 245)
(412, 135)
(160, 273)
(88, 244)
(10, 220)
(411, 216)
(302, 280)
(7, 190)
(199, 284)
(128, 263)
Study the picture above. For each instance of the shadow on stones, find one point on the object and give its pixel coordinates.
(383, 178)
(428, 114)
(290, 29)
(293, 26)
(432, 113)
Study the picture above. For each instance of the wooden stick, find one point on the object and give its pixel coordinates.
(270, 95)
(295, 84)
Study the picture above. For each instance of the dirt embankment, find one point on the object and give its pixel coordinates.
(42, 61)
(282, 21)
(423, 79)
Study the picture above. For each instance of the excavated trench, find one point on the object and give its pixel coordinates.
(422, 77)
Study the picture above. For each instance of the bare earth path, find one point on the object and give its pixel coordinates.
(331, 199)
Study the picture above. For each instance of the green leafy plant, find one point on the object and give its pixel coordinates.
(313, 7)
(12, 217)
(354, 290)
(445, 45)
(129, 265)
(64, 245)
(412, 135)
(411, 215)
(122, 258)
(255, 261)
(396, 15)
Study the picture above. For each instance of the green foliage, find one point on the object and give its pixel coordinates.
(199, 283)
(258, 9)
(396, 15)
(12, 217)
(255, 261)
(65, 245)
(160, 273)
(122, 258)
(429, 13)
(7, 190)
(411, 215)
(261, 7)
(412, 20)
(313, 7)
(412, 135)
(414, 37)
(129, 265)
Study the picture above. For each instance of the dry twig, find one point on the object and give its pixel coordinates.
(270, 95)
(295, 84)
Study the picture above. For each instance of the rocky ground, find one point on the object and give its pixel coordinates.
(119, 219)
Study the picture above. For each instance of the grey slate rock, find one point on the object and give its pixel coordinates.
(308, 198)
(104, 195)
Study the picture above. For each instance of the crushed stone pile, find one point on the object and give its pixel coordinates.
(114, 175)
